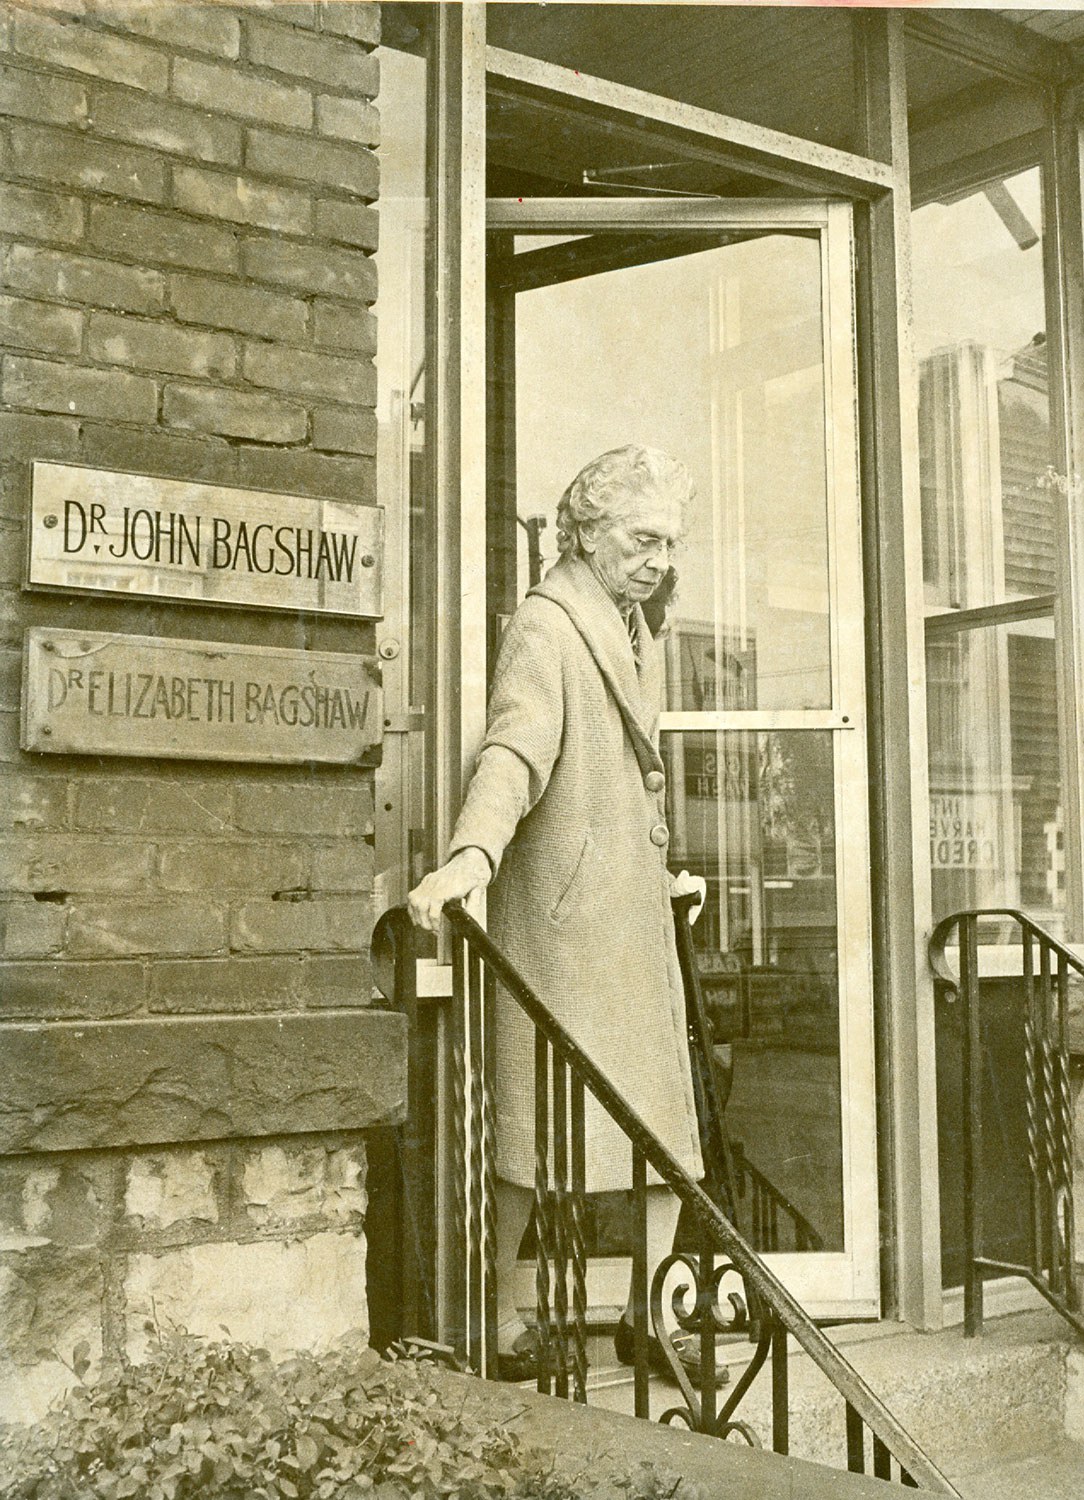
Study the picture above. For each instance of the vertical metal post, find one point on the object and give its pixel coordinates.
(542, 1219)
(457, 1331)
(972, 1110)
(1067, 1277)
(780, 1389)
(895, 657)
(475, 1183)
(489, 1179)
(1032, 1090)
(560, 1220)
(579, 1244)
(639, 1282)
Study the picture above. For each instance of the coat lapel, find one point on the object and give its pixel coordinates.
(571, 584)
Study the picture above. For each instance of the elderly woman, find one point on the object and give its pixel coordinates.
(565, 815)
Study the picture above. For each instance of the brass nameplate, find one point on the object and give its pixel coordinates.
(90, 693)
(204, 543)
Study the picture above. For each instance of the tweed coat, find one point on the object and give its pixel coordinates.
(580, 899)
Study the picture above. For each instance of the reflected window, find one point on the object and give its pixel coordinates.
(989, 549)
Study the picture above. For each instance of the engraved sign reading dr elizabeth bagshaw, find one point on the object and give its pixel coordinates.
(90, 693)
(205, 543)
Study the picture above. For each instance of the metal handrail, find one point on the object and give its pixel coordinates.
(563, 1072)
(1051, 1270)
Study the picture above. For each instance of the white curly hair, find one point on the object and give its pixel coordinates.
(605, 488)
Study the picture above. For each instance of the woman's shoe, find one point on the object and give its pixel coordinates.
(522, 1360)
(685, 1345)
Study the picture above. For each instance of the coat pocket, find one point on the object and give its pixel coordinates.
(576, 882)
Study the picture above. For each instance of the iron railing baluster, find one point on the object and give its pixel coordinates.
(475, 1157)
(458, 1328)
(563, 1070)
(1044, 979)
(578, 1147)
(542, 1217)
(639, 1282)
(560, 1221)
(856, 1441)
(489, 1175)
(780, 1389)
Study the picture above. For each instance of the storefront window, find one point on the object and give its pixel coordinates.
(989, 547)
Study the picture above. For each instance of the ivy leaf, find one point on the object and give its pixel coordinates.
(307, 1454)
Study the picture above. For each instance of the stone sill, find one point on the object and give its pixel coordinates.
(94, 1085)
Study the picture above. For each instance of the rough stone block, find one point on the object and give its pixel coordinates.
(43, 990)
(81, 278)
(43, 97)
(33, 929)
(320, 269)
(233, 92)
(40, 325)
(123, 806)
(325, 60)
(259, 417)
(348, 119)
(321, 924)
(282, 1184)
(188, 986)
(165, 238)
(242, 199)
(45, 386)
(202, 28)
(351, 168)
(176, 128)
(343, 429)
(248, 309)
(340, 326)
(88, 1085)
(160, 346)
(73, 863)
(345, 811)
(79, 161)
(306, 373)
(73, 46)
(348, 223)
(302, 1294)
(40, 215)
(33, 802)
(360, 22)
(121, 928)
(60, 1200)
(172, 1187)
(24, 435)
(49, 1304)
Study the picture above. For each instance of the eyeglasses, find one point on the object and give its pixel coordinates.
(650, 546)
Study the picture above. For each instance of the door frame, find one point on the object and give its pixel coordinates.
(829, 1284)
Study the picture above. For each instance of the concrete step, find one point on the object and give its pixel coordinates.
(1055, 1473)
(974, 1405)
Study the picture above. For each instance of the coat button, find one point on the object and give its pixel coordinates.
(654, 781)
(660, 835)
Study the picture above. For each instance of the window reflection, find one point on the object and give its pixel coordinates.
(989, 546)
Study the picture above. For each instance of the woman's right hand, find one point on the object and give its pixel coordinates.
(465, 875)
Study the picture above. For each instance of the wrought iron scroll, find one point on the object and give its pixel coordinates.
(1044, 974)
(564, 1075)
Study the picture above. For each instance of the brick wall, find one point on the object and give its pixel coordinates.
(187, 223)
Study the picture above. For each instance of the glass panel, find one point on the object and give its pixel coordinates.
(984, 412)
(716, 357)
(754, 813)
(996, 830)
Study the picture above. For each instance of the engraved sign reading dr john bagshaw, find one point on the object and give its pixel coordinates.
(204, 543)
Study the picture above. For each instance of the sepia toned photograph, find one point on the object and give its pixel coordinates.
(541, 750)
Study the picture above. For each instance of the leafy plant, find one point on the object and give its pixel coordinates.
(200, 1419)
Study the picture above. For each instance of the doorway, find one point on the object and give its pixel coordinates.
(723, 332)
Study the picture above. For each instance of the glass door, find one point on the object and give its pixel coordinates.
(723, 332)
